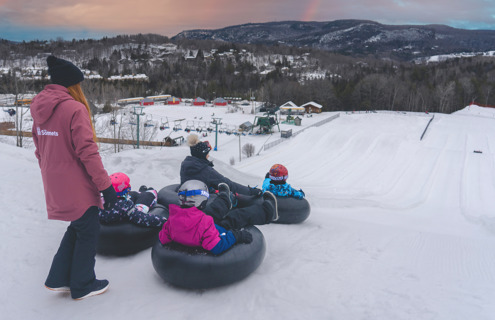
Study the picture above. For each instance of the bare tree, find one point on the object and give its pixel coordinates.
(19, 88)
(248, 150)
(445, 94)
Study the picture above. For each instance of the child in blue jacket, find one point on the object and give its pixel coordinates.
(131, 206)
(276, 182)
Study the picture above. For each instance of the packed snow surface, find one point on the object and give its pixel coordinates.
(400, 228)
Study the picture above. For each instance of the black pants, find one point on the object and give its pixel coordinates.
(239, 188)
(74, 263)
(257, 213)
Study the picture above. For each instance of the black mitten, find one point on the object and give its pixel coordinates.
(267, 175)
(146, 198)
(255, 192)
(133, 195)
(143, 188)
(242, 236)
(110, 197)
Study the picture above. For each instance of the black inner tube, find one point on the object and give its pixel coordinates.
(290, 210)
(196, 268)
(126, 238)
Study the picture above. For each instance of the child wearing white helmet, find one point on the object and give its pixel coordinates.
(187, 224)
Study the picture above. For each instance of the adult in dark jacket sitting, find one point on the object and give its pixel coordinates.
(247, 211)
(198, 167)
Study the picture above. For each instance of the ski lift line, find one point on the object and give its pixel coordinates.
(184, 119)
(161, 116)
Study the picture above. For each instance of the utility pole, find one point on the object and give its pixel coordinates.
(252, 102)
(114, 136)
(138, 111)
(239, 147)
(216, 122)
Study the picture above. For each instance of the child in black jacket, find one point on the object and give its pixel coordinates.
(131, 206)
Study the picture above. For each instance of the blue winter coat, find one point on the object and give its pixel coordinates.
(282, 190)
(125, 211)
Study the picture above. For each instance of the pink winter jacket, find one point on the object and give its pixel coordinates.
(71, 166)
(190, 227)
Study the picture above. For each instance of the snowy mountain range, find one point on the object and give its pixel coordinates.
(356, 37)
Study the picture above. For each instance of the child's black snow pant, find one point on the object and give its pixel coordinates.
(237, 218)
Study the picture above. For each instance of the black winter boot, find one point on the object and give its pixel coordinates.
(224, 188)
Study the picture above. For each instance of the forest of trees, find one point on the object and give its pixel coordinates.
(351, 83)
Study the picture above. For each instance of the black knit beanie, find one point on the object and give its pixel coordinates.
(63, 72)
(200, 150)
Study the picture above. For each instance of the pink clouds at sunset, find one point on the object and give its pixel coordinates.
(169, 17)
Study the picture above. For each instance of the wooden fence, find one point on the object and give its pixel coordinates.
(6, 126)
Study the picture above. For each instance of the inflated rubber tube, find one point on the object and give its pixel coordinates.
(195, 268)
(292, 210)
(168, 195)
(126, 238)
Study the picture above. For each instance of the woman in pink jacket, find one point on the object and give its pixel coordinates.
(73, 177)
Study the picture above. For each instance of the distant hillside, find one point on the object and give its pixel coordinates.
(356, 37)
(411, 68)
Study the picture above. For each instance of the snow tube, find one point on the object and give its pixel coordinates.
(168, 195)
(196, 268)
(292, 210)
(126, 238)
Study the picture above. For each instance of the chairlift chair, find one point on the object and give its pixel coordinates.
(234, 130)
(149, 121)
(189, 126)
(177, 125)
(223, 129)
(10, 111)
(164, 125)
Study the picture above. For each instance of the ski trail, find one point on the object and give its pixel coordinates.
(476, 192)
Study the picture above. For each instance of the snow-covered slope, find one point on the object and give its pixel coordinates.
(399, 229)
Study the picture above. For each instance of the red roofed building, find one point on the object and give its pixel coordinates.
(199, 102)
(147, 102)
(220, 102)
(173, 100)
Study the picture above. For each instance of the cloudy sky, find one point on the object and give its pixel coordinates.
(68, 19)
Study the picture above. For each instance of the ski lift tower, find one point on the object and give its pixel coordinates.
(138, 111)
(253, 109)
(216, 122)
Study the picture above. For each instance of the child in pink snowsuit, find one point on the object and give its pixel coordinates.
(190, 226)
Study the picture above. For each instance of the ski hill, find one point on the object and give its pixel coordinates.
(400, 228)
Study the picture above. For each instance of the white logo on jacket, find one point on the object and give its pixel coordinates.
(46, 132)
